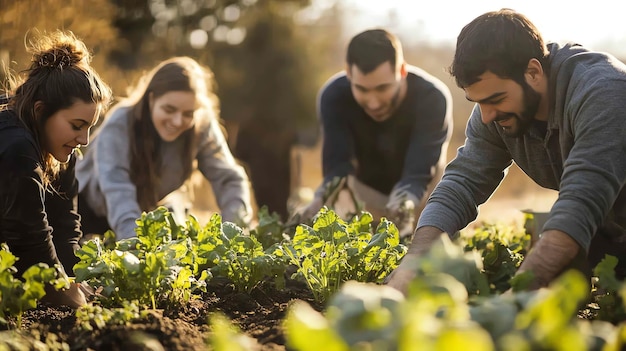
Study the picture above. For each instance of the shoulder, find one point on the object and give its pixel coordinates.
(18, 155)
(115, 125)
(336, 88)
(15, 139)
(208, 125)
(574, 64)
(420, 81)
(118, 117)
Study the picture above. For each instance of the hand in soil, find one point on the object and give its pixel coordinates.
(73, 297)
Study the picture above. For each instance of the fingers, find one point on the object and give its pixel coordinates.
(72, 297)
(400, 279)
(309, 211)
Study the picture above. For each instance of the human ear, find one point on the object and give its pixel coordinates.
(534, 72)
(349, 72)
(403, 72)
(38, 108)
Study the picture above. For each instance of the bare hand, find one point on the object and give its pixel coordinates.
(73, 297)
(551, 255)
(402, 276)
(403, 216)
(310, 210)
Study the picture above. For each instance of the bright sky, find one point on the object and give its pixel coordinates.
(597, 24)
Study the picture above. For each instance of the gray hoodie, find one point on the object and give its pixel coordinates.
(582, 154)
(104, 173)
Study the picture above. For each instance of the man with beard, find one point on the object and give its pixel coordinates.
(386, 127)
(559, 113)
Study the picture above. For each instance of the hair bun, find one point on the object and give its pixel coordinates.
(57, 58)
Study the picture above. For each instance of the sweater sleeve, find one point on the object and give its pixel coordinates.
(25, 226)
(337, 142)
(469, 180)
(229, 180)
(429, 140)
(112, 163)
(595, 168)
(61, 207)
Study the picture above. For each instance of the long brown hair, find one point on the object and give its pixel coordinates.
(175, 74)
(59, 75)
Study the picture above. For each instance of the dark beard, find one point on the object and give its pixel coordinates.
(527, 116)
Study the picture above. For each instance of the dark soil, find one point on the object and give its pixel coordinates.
(259, 314)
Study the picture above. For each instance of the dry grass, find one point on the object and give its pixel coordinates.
(517, 192)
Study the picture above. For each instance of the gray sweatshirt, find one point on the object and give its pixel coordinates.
(582, 153)
(104, 173)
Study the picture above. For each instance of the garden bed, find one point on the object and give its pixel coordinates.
(259, 315)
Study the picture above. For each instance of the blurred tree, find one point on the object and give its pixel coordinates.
(90, 20)
(275, 100)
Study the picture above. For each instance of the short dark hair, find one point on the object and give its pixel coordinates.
(501, 42)
(371, 48)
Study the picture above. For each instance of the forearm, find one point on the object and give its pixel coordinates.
(423, 240)
(552, 253)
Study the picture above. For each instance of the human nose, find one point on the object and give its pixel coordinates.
(83, 138)
(488, 113)
(177, 119)
(372, 102)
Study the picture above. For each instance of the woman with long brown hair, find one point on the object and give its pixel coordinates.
(42, 122)
(150, 143)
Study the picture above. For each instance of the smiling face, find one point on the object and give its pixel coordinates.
(173, 113)
(511, 105)
(379, 92)
(68, 129)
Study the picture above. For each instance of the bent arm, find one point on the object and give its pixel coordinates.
(429, 143)
(112, 163)
(229, 180)
(469, 180)
(337, 141)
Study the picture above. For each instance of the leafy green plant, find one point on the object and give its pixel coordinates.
(269, 230)
(149, 268)
(242, 260)
(17, 296)
(364, 316)
(446, 256)
(92, 316)
(609, 292)
(334, 251)
(502, 250)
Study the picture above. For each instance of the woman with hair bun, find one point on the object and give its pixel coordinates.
(150, 143)
(43, 121)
